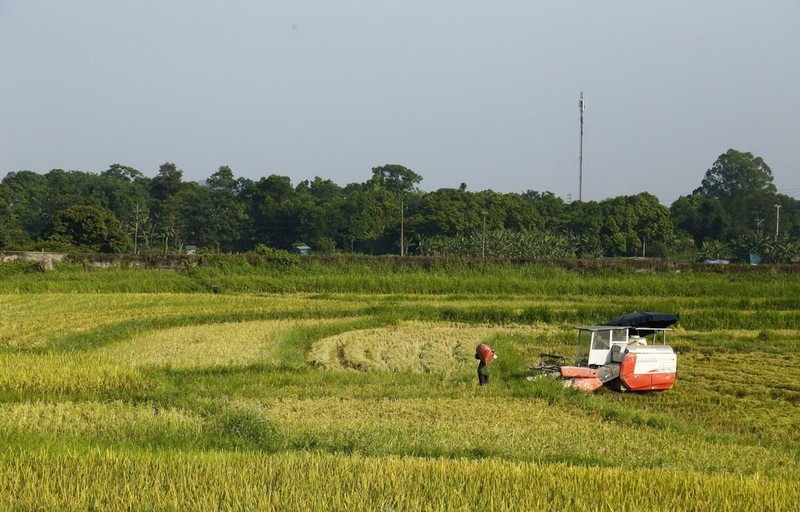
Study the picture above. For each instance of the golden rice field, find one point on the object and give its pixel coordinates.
(347, 401)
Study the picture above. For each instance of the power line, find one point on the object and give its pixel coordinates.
(794, 192)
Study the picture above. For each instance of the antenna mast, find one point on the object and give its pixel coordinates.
(581, 107)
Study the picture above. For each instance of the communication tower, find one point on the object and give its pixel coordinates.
(581, 108)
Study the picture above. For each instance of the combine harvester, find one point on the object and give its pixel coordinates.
(629, 353)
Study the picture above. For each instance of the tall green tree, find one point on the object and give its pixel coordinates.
(632, 222)
(549, 207)
(399, 181)
(743, 185)
(72, 188)
(272, 217)
(653, 225)
(365, 217)
(789, 217)
(88, 228)
(396, 178)
(167, 183)
(583, 221)
(618, 235)
(123, 172)
(700, 217)
(189, 218)
(222, 179)
(166, 207)
(449, 212)
(12, 236)
(319, 206)
(25, 195)
(125, 192)
(227, 213)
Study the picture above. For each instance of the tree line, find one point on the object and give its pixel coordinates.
(122, 210)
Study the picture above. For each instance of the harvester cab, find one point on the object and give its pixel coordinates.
(628, 353)
(595, 342)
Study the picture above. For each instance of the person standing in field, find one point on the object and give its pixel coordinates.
(486, 355)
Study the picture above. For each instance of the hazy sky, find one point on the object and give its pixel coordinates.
(480, 92)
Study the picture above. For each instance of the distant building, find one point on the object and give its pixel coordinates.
(751, 258)
(190, 249)
(716, 261)
(301, 249)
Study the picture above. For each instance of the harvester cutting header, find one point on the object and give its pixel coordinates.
(628, 353)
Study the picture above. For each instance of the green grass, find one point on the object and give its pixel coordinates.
(385, 275)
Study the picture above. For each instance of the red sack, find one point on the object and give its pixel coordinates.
(484, 353)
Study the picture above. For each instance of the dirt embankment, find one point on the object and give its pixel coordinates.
(182, 261)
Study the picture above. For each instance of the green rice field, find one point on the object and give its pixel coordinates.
(354, 388)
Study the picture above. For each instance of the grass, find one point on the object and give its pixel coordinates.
(113, 480)
(357, 400)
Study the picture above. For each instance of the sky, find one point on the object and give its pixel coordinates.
(475, 92)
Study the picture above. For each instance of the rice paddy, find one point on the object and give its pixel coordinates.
(343, 400)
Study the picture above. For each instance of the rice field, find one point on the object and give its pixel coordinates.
(342, 400)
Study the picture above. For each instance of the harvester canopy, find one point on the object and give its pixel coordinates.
(644, 320)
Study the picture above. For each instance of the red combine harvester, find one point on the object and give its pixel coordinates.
(629, 353)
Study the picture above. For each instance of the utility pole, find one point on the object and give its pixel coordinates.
(136, 231)
(483, 237)
(777, 220)
(402, 222)
(759, 221)
(581, 108)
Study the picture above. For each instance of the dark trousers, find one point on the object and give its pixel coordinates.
(483, 374)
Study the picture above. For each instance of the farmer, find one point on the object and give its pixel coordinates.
(486, 355)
